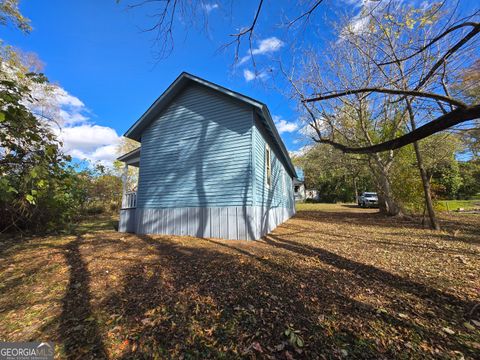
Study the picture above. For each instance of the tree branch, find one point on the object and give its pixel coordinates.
(306, 14)
(433, 41)
(238, 36)
(445, 56)
(388, 91)
(441, 123)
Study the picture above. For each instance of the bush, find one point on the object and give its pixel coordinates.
(95, 210)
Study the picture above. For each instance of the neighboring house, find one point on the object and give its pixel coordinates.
(299, 185)
(299, 190)
(211, 164)
(312, 195)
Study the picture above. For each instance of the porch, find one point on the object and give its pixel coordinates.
(129, 190)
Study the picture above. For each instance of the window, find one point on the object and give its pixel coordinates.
(268, 165)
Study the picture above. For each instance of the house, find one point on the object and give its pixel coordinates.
(299, 190)
(211, 164)
(299, 185)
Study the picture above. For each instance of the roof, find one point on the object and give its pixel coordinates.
(131, 158)
(179, 84)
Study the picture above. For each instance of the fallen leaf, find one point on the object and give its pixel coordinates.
(288, 356)
(448, 331)
(256, 346)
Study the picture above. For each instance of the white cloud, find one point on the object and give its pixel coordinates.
(87, 137)
(356, 3)
(69, 119)
(284, 126)
(81, 138)
(90, 142)
(55, 103)
(271, 44)
(209, 7)
(300, 152)
(359, 24)
(265, 46)
(63, 98)
(250, 75)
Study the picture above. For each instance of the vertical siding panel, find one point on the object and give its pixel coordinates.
(154, 221)
(214, 221)
(141, 223)
(160, 221)
(168, 225)
(176, 221)
(208, 222)
(232, 223)
(151, 222)
(184, 217)
(200, 226)
(241, 220)
(223, 223)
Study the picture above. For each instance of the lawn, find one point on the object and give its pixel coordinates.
(454, 205)
(335, 281)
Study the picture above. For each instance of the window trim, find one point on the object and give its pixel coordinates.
(268, 166)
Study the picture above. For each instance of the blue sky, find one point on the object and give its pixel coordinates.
(96, 52)
(108, 74)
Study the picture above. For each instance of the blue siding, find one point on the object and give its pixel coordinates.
(197, 153)
(280, 192)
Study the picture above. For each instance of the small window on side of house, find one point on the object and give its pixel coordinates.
(268, 165)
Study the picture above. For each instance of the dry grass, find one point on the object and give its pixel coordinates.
(345, 282)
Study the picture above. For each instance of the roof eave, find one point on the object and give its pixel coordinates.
(130, 155)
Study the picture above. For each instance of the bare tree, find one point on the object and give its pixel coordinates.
(355, 120)
(425, 47)
(403, 62)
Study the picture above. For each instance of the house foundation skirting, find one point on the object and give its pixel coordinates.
(235, 223)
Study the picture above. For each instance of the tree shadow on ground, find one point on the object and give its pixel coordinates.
(221, 300)
(78, 328)
(466, 231)
(367, 272)
(217, 305)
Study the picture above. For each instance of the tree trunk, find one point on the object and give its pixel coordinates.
(426, 189)
(423, 174)
(386, 201)
(355, 188)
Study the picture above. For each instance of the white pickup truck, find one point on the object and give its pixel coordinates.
(368, 199)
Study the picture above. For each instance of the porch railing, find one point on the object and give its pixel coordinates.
(129, 200)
